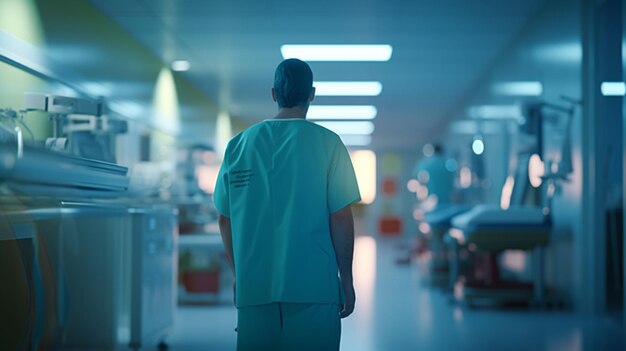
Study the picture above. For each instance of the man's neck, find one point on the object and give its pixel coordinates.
(292, 112)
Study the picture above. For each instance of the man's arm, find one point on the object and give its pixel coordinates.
(342, 235)
(227, 238)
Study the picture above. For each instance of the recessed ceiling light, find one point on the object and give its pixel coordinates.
(337, 52)
(347, 88)
(518, 88)
(356, 140)
(342, 112)
(613, 88)
(349, 128)
(181, 66)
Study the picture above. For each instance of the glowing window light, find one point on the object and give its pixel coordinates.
(465, 177)
(356, 140)
(507, 192)
(518, 88)
(337, 52)
(342, 112)
(613, 88)
(181, 66)
(350, 128)
(536, 170)
(347, 88)
(478, 146)
(364, 162)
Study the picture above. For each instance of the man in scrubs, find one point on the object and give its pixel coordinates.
(284, 193)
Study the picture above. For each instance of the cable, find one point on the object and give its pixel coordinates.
(20, 119)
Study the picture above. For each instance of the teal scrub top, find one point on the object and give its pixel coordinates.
(279, 182)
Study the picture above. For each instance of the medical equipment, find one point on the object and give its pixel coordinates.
(492, 230)
(111, 271)
(79, 125)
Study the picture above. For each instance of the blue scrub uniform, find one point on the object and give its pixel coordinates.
(279, 182)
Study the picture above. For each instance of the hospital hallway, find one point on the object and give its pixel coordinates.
(396, 310)
(459, 165)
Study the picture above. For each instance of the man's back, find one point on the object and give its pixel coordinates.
(280, 181)
(283, 195)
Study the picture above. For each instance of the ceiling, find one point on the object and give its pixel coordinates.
(441, 50)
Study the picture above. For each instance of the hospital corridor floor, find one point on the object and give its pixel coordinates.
(397, 311)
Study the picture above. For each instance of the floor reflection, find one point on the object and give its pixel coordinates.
(397, 311)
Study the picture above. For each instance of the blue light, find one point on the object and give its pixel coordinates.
(478, 147)
(452, 165)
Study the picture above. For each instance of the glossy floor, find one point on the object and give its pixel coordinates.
(396, 311)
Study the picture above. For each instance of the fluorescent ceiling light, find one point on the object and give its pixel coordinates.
(356, 140)
(347, 88)
(337, 52)
(613, 88)
(518, 88)
(348, 128)
(181, 66)
(496, 112)
(342, 112)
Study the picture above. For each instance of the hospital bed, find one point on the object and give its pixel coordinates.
(486, 231)
(522, 221)
(438, 223)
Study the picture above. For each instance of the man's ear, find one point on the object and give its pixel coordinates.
(312, 95)
(273, 94)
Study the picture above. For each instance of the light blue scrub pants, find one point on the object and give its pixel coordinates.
(283, 326)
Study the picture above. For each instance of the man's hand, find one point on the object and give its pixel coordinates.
(350, 300)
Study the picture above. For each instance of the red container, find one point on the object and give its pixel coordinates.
(390, 225)
(202, 281)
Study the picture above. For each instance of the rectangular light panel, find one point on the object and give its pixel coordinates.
(348, 128)
(518, 88)
(337, 52)
(347, 88)
(342, 112)
(613, 88)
